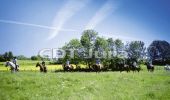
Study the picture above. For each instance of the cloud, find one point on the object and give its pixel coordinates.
(108, 8)
(64, 14)
(33, 25)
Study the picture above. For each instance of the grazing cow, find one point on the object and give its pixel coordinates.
(42, 68)
(150, 67)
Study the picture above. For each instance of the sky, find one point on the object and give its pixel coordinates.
(28, 26)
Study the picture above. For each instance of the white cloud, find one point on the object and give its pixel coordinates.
(64, 14)
(108, 8)
(33, 25)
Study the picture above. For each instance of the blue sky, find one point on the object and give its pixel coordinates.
(27, 26)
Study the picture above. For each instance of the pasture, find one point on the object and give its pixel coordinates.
(30, 84)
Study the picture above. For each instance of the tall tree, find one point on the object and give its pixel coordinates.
(135, 50)
(8, 55)
(159, 50)
(87, 40)
(74, 45)
(101, 45)
(111, 44)
(2, 58)
(119, 47)
(22, 57)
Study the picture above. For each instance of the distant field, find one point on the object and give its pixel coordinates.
(33, 85)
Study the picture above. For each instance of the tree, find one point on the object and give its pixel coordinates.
(119, 47)
(8, 56)
(22, 57)
(34, 58)
(159, 50)
(111, 61)
(111, 44)
(87, 40)
(135, 50)
(101, 46)
(38, 57)
(74, 45)
(2, 59)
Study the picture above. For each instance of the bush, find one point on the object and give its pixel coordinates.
(2, 59)
(6, 56)
(34, 58)
(22, 57)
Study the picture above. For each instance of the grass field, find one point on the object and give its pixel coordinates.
(33, 85)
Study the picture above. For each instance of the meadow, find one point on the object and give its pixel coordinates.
(30, 84)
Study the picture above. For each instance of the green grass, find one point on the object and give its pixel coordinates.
(33, 85)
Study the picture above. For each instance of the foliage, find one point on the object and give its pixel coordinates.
(88, 38)
(6, 56)
(119, 47)
(74, 45)
(22, 57)
(2, 59)
(159, 51)
(36, 57)
(92, 47)
(135, 50)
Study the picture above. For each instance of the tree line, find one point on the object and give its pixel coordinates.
(7, 56)
(158, 51)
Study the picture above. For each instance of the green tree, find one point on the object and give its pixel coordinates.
(119, 47)
(74, 45)
(159, 50)
(22, 57)
(111, 44)
(87, 40)
(2, 59)
(102, 46)
(136, 50)
(38, 57)
(8, 56)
